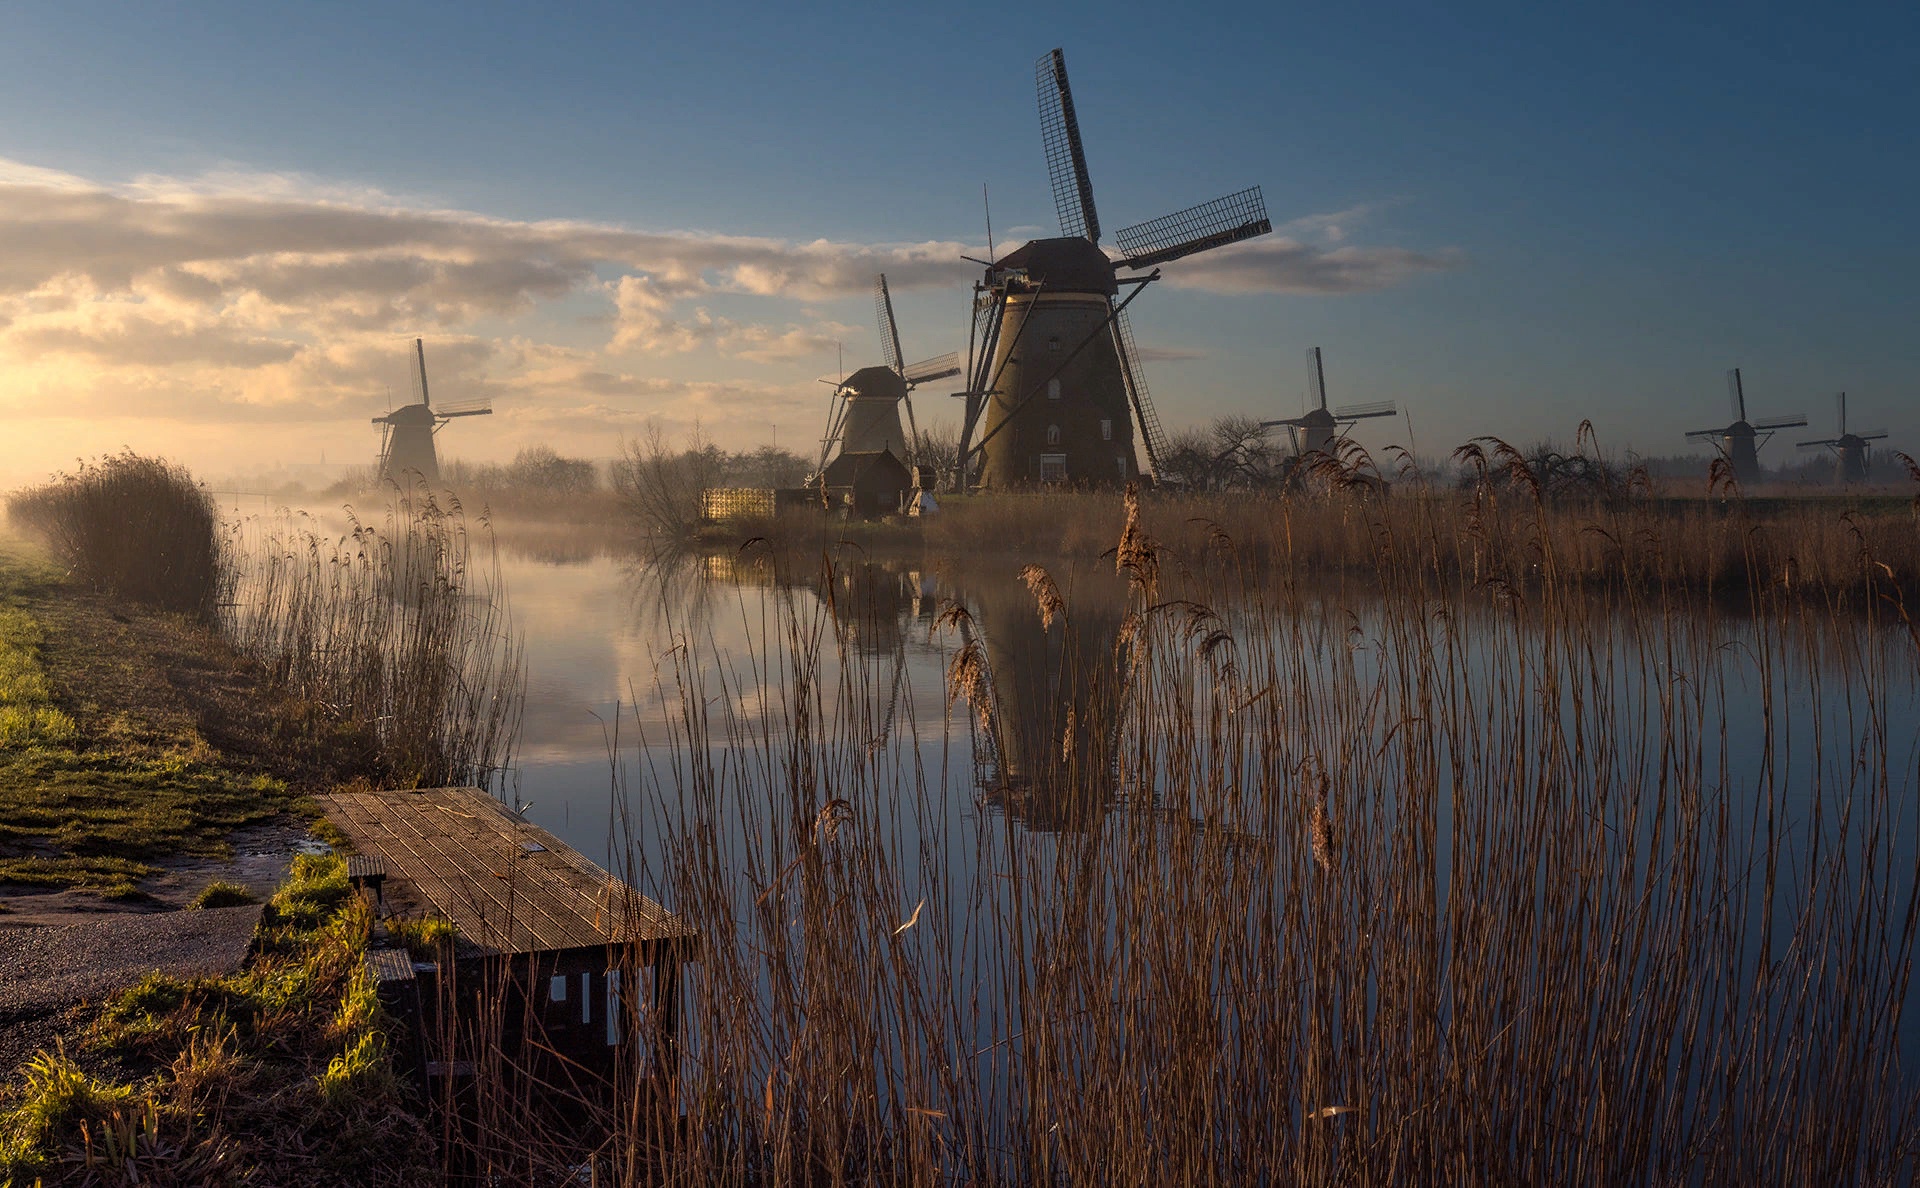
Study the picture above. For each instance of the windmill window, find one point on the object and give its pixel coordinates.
(1053, 388)
(1053, 435)
(1053, 345)
(1106, 430)
(1053, 468)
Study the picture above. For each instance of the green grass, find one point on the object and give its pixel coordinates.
(281, 1069)
(427, 938)
(220, 893)
(93, 795)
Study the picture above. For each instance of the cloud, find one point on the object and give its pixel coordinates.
(249, 298)
(1276, 264)
(1167, 354)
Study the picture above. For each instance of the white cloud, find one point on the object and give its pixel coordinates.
(1277, 264)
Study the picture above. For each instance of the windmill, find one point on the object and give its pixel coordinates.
(1055, 385)
(1851, 447)
(1318, 428)
(406, 439)
(866, 405)
(1740, 442)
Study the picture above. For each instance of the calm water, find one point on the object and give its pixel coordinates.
(616, 648)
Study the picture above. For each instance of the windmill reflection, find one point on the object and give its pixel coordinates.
(1051, 724)
(1046, 695)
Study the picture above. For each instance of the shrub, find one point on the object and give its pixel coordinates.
(137, 527)
(221, 894)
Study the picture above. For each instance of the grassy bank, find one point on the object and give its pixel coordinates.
(105, 769)
(279, 1074)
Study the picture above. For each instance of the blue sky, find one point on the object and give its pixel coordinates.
(1527, 217)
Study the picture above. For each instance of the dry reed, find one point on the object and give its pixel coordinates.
(392, 631)
(1483, 876)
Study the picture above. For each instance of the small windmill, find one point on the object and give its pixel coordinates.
(1319, 427)
(1056, 385)
(866, 405)
(406, 437)
(1851, 447)
(1740, 442)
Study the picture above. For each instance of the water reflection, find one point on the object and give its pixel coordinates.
(1057, 692)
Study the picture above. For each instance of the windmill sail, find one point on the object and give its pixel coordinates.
(1066, 156)
(1195, 229)
(938, 367)
(883, 313)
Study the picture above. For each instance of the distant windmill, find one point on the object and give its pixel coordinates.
(1318, 428)
(406, 439)
(1740, 442)
(1851, 447)
(867, 404)
(1056, 384)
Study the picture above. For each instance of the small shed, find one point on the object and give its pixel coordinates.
(870, 482)
(559, 966)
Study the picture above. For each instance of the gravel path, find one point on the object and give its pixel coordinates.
(43, 971)
(46, 968)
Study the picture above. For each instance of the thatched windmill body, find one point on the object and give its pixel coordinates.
(1740, 442)
(406, 439)
(1054, 385)
(1319, 427)
(867, 404)
(1849, 448)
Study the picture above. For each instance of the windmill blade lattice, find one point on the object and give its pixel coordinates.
(883, 313)
(1066, 156)
(1360, 412)
(938, 367)
(1195, 229)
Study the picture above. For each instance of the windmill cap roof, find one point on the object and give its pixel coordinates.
(1072, 264)
(883, 382)
(409, 414)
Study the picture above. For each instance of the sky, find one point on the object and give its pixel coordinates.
(222, 225)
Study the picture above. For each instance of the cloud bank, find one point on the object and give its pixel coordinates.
(237, 299)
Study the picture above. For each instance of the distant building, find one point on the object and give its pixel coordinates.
(872, 482)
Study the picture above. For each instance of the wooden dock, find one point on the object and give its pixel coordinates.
(507, 885)
(593, 962)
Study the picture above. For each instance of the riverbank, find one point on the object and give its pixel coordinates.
(148, 769)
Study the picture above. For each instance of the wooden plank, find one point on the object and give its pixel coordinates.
(369, 820)
(505, 883)
(457, 877)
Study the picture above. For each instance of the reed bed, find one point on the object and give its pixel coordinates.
(1497, 517)
(392, 634)
(1467, 878)
(137, 527)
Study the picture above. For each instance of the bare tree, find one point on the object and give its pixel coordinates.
(661, 487)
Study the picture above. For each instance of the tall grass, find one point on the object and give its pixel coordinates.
(393, 632)
(1483, 876)
(1496, 521)
(138, 527)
